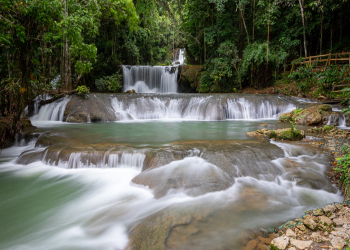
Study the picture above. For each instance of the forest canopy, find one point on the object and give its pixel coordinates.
(49, 43)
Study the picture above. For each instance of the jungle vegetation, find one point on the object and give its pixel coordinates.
(46, 44)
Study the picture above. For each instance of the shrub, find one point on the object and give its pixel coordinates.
(83, 90)
(109, 83)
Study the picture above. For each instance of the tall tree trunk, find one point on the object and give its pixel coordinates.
(268, 39)
(301, 3)
(321, 38)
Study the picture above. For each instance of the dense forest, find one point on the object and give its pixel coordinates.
(64, 44)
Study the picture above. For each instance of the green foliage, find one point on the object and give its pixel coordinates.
(83, 90)
(109, 83)
(343, 164)
(327, 128)
(346, 110)
(297, 111)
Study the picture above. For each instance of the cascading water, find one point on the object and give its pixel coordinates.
(180, 57)
(199, 108)
(53, 111)
(150, 79)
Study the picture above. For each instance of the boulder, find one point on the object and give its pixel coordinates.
(337, 242)
(290, 233)
(301, 244)
(325, 223)
(314, 115)
(279, 243)
(310, 223)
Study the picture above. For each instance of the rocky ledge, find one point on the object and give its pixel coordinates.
(279, 134)
(327, 228)
(315, 115)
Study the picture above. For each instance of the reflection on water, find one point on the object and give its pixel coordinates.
(199, 194)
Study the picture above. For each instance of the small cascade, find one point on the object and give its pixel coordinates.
(52, 112)
(179, 57)
(243, 109)
(204, 107)
(342, 121)
(150, 79)
(86, 160)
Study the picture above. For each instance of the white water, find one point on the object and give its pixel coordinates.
(196, 108)
(105, 205)
(180, 59)
(149, 79)
(243, 109)
(53, 111)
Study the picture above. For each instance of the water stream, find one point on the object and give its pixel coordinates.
(164, 171)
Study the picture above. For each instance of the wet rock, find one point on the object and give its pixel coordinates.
(279, 134)
(185, 175)
(301, 244)
(130, 91)
(314, 115)
(265, 240)
(251, 245)
(262, 246)
(97, 108)
(279, 243)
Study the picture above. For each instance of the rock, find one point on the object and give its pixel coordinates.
(341, 234)
(331, 216)
(314, 115)
(251, 245)
(131, 91)
(325, 223)
(329, 209)
(339, 206)
(337, 242)
(279, 243)
(301, 244)
(265, 240)
(262, 246)
(310, 223)
(301, 227)
(279, 134)
(290, 233)
(317, 237)
(318, 212)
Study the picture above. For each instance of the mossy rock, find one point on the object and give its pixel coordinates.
(324, 109)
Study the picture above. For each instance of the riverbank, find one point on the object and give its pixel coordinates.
(327, 227)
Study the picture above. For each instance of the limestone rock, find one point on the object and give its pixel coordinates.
(329, 209)
(290, 233)
(318, 212)
(301, 244)
(337, 242)
(310, 223)
(301, 227)
(325, 223)
(279, 243)
(317, 237)
(341, 234)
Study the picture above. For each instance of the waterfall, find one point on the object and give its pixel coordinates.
(342, 121)
(179, 58)
(243, 109)
(52, 112)
(199, 107)
(150, 79)
(88, 160)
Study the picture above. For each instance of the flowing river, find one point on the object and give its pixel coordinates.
(170, 171)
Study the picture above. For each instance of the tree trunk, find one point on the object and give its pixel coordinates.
(301, 3)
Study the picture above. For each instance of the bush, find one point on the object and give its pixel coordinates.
(109, 83)
(83, 90)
